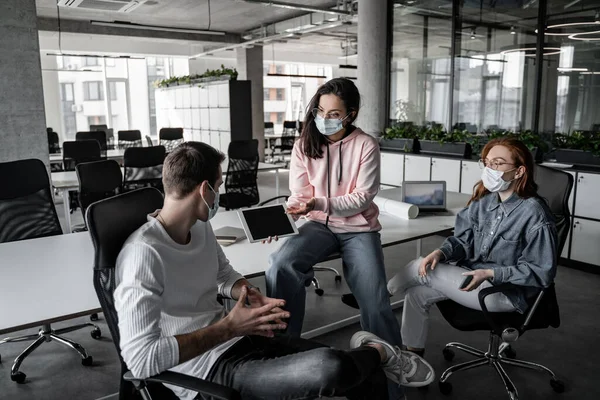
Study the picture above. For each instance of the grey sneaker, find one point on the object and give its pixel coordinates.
(402, 367)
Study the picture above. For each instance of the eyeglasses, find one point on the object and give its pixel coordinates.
(493, 164)
(331, 115)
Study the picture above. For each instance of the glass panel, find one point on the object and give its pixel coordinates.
(494, 86)
(420, 65)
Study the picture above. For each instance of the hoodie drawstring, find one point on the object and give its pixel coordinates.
(328, 185)
(340, 172)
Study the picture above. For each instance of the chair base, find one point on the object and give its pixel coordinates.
(315, 281)
(47, 334)
(498, 354)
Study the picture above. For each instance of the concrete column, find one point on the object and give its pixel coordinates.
(22, 120)
(372, 65)
(250, 67)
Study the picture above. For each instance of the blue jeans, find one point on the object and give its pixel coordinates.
(291, 271)
(294, 368)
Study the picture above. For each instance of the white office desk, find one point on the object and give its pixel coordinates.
(46, 280)
(51, 278)
(115, 154)
(65, 181)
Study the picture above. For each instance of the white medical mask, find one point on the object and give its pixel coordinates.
(212, 211)
(329, 127)
(492, 180)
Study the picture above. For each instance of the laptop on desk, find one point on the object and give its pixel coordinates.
(429, 196)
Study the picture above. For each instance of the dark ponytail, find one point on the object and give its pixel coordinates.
(311, 140)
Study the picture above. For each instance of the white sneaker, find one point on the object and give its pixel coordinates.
(402, 367)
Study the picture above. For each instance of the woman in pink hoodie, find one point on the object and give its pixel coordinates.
(334, 176)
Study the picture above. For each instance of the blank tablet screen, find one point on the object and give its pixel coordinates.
(268, 221)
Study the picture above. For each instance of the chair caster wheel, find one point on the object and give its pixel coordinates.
(87, 361)
(319, 292)
(448, 354)
(96, 333)
(94, 317)
(557, 385)
(338, 279)
(18, 377)
(510, 352)
(445, 387)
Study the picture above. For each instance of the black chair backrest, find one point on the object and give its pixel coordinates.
(53, 141)
(555, 186)
(143, 167)
(80, 151)
(26, 207)
(131, 138)
(170, 138)
(242, 172)
(149, 141)
(100, 136)
(289, 128)
(110, 222)
(269, 125)
(97, 181)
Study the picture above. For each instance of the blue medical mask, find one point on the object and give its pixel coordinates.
(329, 127)
(212, 211)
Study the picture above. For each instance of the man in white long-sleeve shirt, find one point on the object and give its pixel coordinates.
(169, 273)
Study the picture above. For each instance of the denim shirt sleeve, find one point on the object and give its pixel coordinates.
(537, 264)
(459, 246)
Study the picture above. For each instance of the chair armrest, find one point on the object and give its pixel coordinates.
(188, 382)
(262, 203)
(499, 289)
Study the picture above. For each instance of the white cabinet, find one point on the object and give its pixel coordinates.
(204, 119)
(195, 97)
(187, 97)
(443, 169)
(565, 252)
(215, 140)
(224, 140)
(224, 122)
(205, 137)
(187, 118)
(178, 98)
(195, 118)
(588, 193)
(203, 97)
(392, 168)
(213, 95)
(223, 94)
(215, 122)
(586, 236)
(470, 174)
(417, 168)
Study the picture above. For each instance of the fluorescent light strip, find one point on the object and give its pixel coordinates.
(590, 73)
(566, 25)
(128, 25)
(569, 69)
(551, 51)
(580, 36)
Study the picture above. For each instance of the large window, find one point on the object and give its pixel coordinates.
(476, 68)
(93, 91)
(280, 94)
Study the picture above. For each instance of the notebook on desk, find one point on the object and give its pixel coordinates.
(429, 196)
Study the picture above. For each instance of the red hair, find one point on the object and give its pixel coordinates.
(526, 186)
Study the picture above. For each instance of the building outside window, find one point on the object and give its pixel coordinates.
(266, 94)
(91, 61)
(280, 118)
(93, 91)
(280, 94)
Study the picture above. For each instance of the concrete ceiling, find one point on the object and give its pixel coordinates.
(226, 15)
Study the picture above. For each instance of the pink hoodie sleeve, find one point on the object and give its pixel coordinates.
(300, 188)
(367, 186)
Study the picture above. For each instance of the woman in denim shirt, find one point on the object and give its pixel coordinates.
(505, 234)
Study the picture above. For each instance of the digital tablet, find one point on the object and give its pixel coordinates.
(261, 222)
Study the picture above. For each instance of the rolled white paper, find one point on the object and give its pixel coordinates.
(397, 208)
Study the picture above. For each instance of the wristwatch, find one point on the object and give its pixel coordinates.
(253, 287)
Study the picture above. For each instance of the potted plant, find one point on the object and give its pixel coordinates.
(208, 76)
(437, 141)
(577, 148)
(400, 137)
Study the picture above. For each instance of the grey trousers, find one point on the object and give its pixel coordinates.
(420, 293)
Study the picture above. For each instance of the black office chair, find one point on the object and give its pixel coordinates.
(149, 141)
(269, 131)
(110, 223)
(97, 181)
(53, 141)
(99, 136)
(170, 138)
(505, 328)
(77, 152)
(241, 186)
(143, 167)
(288, 138)
(127, 139)
(27, 212)
(110, 136)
